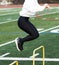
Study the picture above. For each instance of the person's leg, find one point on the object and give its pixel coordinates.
(29, 28)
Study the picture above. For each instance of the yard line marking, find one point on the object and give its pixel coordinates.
(39, 32)
(7, 43)
(40, 29)
(6, 8)
(55, 31)
(29, 59)
(49, 13)
(54, 8)
(4, 54)
(40, 15)
(51, 19)
(34, 16)
(49, 29)
(8, 21)
(9, 10)
(8, 14)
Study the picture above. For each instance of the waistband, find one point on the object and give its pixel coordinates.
(24, 17)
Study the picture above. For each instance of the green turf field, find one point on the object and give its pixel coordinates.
(48, 25)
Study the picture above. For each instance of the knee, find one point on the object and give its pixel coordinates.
(36, 35)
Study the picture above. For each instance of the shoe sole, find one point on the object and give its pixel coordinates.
(17, 44)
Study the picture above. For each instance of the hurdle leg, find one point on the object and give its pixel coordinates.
(43, 51)
(15, 62)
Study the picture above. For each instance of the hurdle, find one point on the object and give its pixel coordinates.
(33, 56)
(15, 62)
(43, 57)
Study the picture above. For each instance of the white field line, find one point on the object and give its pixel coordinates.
(8, 21)
(56, 18)
(7, 43)
(9, 14)
(49, 29)
(6, 8)
(54, 8)
(49, 13)
(4, 54)
(40, 29)
(14, 8)
(29, 59)
(39, 32)
(34, 16)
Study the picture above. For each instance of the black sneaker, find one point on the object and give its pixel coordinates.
(19, 44)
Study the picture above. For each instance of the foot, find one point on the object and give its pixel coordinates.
(19, 44)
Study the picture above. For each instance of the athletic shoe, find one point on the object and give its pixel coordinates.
(19, 44)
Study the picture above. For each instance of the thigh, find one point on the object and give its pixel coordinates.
(27, 26)
(32, 28)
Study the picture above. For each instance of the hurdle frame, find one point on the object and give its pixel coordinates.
(15, 62)
(43, 51)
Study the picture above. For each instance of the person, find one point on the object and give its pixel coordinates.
(29, 9)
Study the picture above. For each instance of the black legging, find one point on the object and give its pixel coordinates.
(28, 27)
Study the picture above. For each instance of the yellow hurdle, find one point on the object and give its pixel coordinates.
(43, 51)
(15, 62)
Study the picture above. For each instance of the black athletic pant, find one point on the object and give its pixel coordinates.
(28, 27)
